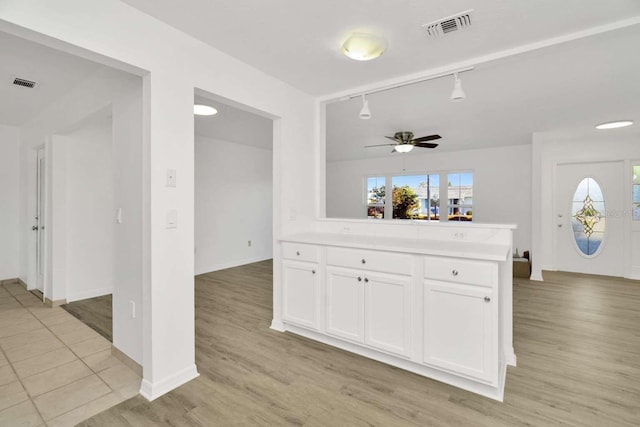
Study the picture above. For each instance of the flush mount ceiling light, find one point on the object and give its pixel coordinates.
(403, 148)
(365, 113)
(364, 47)
(204, 110)
(615, 125)
(457, 94)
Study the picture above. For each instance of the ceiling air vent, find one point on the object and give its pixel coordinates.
(449, 24)
(24, 83)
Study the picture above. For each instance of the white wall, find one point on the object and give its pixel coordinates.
(89, 211)
(117, 33)
(233, 204)
(501, 191)
(9, 202)
(579, 146)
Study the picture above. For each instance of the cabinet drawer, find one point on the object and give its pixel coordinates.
(300, 252)
(387, 262)
(461, 271)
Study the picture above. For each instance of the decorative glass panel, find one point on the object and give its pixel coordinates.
(588, 216)
(636, 193)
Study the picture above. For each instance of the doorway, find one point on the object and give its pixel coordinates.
(588, 218)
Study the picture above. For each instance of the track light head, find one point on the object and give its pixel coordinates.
(365, 113)
(457, 94)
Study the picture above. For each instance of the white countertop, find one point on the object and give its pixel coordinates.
(450, 248)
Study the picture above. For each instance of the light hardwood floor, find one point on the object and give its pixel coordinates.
(577, 339)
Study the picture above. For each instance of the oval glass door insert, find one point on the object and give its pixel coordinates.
(588, 219)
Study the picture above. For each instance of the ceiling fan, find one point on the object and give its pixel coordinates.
(404, 142)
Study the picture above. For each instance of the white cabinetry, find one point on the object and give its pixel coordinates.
(461, 317)
(301, 285)
(366, 305)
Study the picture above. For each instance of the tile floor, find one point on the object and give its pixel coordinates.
(54, 370)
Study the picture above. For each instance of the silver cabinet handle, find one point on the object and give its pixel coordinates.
(366, 280)
(298, 253)
(487, 299)
(313, 272)
(364, 261)
(454, 272)
(34, 228)
(359, 279)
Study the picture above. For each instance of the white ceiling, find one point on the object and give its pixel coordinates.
(234, 125)
(298, 41)
(569, 85)
(54, 72)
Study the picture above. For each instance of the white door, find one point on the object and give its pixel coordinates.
(345, 303)
(300, 290)
(387, 313)
(589, 221)
(40, 219)
(459, 329)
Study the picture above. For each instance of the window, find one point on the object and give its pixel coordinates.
(636, 193)
(375, 197)
(460, 196)
(418, 196)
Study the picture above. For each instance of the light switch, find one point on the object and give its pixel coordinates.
(172, 219)
(171, 178)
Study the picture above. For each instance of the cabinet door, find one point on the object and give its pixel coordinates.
(387, 311)
(345, 297)
(300, 293)
(460, 327)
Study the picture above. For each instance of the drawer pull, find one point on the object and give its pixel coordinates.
(364, 261)
(359, 279)
(454, 272)
(487, 299)
(298, 253)
(366, 280)
(313, 272)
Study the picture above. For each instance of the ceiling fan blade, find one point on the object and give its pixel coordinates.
(392, 138)
(379, 145)
(427, 138)
(425, 144)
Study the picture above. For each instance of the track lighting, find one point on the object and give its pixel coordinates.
(365, 113)
(457, 94)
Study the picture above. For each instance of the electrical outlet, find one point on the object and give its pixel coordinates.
(459, 235)
(172, 219)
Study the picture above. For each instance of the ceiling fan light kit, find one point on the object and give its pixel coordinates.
(403, 148)
(364, 47)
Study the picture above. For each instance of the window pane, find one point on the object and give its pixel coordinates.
(375, 197)
(460, 196)
(636, 193)
(406, 202)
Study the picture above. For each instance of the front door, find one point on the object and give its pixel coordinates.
(589, 218)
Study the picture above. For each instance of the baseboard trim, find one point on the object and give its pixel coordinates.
(23, 283)
(90, 294)
(231, 264)
(277, 325)
(9, 281)
(131, 364)
(152, 391)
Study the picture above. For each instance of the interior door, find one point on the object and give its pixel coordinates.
(40, 219)
(589, 220)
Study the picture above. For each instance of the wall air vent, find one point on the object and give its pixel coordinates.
(24, 83)
(449, 24)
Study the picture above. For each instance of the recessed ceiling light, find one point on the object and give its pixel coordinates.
(614, 125)
(204, 110)
(364, 47)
